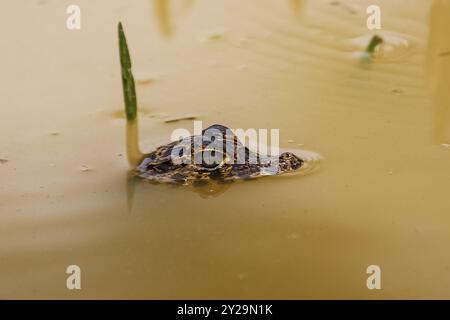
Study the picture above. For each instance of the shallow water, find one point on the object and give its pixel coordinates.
(382, 127)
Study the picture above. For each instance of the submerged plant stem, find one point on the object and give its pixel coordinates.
(129, 94)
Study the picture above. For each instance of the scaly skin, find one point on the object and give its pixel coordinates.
(158, 165)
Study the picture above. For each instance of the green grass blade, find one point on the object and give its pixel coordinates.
(373, 44)
(129, 90)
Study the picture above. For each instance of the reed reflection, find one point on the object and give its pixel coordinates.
(164, 11)
(438, 68)
(163, 17)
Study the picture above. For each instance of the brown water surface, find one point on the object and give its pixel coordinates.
(380, 195)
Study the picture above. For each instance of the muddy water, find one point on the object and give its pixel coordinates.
(380, 195)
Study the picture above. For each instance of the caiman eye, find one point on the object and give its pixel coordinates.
(212, 159)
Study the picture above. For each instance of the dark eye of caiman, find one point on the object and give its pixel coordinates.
(212, 159)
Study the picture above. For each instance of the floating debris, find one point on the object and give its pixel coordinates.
(291, 141)
(214, 35)
(85, 168)
(158, 115)
(445, 53)
(3, 160)
(176, 119)
(397, 91)
(145, 77)
(346, 7)
(54, 133)
(445, 145)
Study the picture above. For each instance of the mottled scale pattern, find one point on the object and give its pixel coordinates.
(158, 165)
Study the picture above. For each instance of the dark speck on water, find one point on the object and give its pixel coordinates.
(85, 168)
(397, 91)
(344, 6)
